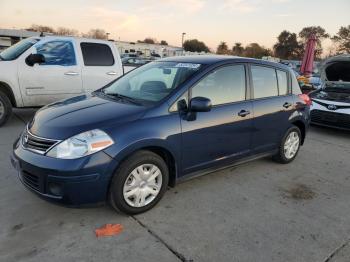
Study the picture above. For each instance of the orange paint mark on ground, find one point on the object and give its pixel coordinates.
(109, 230)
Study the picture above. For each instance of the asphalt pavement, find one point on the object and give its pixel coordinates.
(258, 211)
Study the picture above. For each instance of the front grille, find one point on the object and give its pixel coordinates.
(330, 118)
(31, 180)
(37, 144)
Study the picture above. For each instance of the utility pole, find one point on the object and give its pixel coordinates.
(182, 42)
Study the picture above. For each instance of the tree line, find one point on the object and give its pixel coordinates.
(288, 46)
(92, 33)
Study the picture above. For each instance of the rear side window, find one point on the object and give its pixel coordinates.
(95, 54)
(224, 85)
(59, 52)
(264, 82)
(282, 82)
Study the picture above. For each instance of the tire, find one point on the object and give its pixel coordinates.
(5, 108)
(133, 176)
(284, 156)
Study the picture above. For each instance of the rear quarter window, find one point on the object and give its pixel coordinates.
(282, 77)
(295, 85)
(95, 54)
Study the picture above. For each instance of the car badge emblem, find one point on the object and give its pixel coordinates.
(332, 107)
(26, 138)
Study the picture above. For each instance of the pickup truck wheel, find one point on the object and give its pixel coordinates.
(139, 183)
(289, 146)
(5, 108)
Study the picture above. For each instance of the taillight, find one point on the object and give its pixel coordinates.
(306, 99)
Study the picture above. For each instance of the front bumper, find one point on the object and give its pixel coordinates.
(71, 182)
(330, 119)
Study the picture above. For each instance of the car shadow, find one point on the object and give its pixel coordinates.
(331, 131)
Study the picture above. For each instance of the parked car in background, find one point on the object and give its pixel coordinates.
(134, 61)
(40, 70)
(331, 103)
(164, 122)
(130, 63)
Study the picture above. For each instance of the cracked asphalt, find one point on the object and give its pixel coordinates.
(259, 211)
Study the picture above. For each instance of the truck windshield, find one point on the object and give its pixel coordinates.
(152, 82)
(13, 52)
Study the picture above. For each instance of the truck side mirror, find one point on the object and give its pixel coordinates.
(33, 59)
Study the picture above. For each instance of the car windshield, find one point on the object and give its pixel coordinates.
(152, 82)
(16, 50)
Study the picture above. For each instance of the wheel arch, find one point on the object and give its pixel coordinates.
(4, 87)
(302, 128)
(159, 147)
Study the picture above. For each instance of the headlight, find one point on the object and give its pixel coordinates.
(81, 145)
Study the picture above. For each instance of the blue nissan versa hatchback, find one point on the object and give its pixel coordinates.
(164, 122)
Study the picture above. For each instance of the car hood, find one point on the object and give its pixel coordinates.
(332, 94)
(335, 72)
(69, 117)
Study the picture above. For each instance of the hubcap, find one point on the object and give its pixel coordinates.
(142, 185)
(2, 109)
(291, 145)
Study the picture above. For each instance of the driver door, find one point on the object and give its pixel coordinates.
(58, 78)
(223, 134)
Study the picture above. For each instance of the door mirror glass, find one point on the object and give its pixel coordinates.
(200, 104)
(33, 59)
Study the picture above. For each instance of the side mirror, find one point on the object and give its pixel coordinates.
(33, 59)
(200, 104)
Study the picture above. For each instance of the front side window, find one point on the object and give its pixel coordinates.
(13, 52)
(152, 82)
(282, 82)
(224, 85)
(95, 54)
(264, 82)
(58, 52)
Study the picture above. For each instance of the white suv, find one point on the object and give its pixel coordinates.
(40, 70)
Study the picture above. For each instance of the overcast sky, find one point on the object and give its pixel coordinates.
(211, 21)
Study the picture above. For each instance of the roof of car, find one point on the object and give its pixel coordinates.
(213, 59)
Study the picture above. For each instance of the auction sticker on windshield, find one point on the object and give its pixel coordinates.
(188, 65)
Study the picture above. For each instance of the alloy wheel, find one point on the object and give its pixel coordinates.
(291, 145)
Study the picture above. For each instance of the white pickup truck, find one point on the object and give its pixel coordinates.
(40, 70)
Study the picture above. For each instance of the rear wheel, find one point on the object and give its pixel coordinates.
(5, 108)
(289, 146)
(139, 183)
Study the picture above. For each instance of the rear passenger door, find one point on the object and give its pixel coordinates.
(223, 134)
(99, 65)
(272, 106)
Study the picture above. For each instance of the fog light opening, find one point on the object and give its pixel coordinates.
(55, 189)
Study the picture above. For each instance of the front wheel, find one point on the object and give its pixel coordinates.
(139, 183)
(5, 108)
(289, 146)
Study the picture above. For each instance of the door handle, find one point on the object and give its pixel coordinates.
(112, 73)
(286, 105)
(70, 73)
(243, 113)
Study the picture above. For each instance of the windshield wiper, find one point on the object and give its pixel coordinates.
(122, 97)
